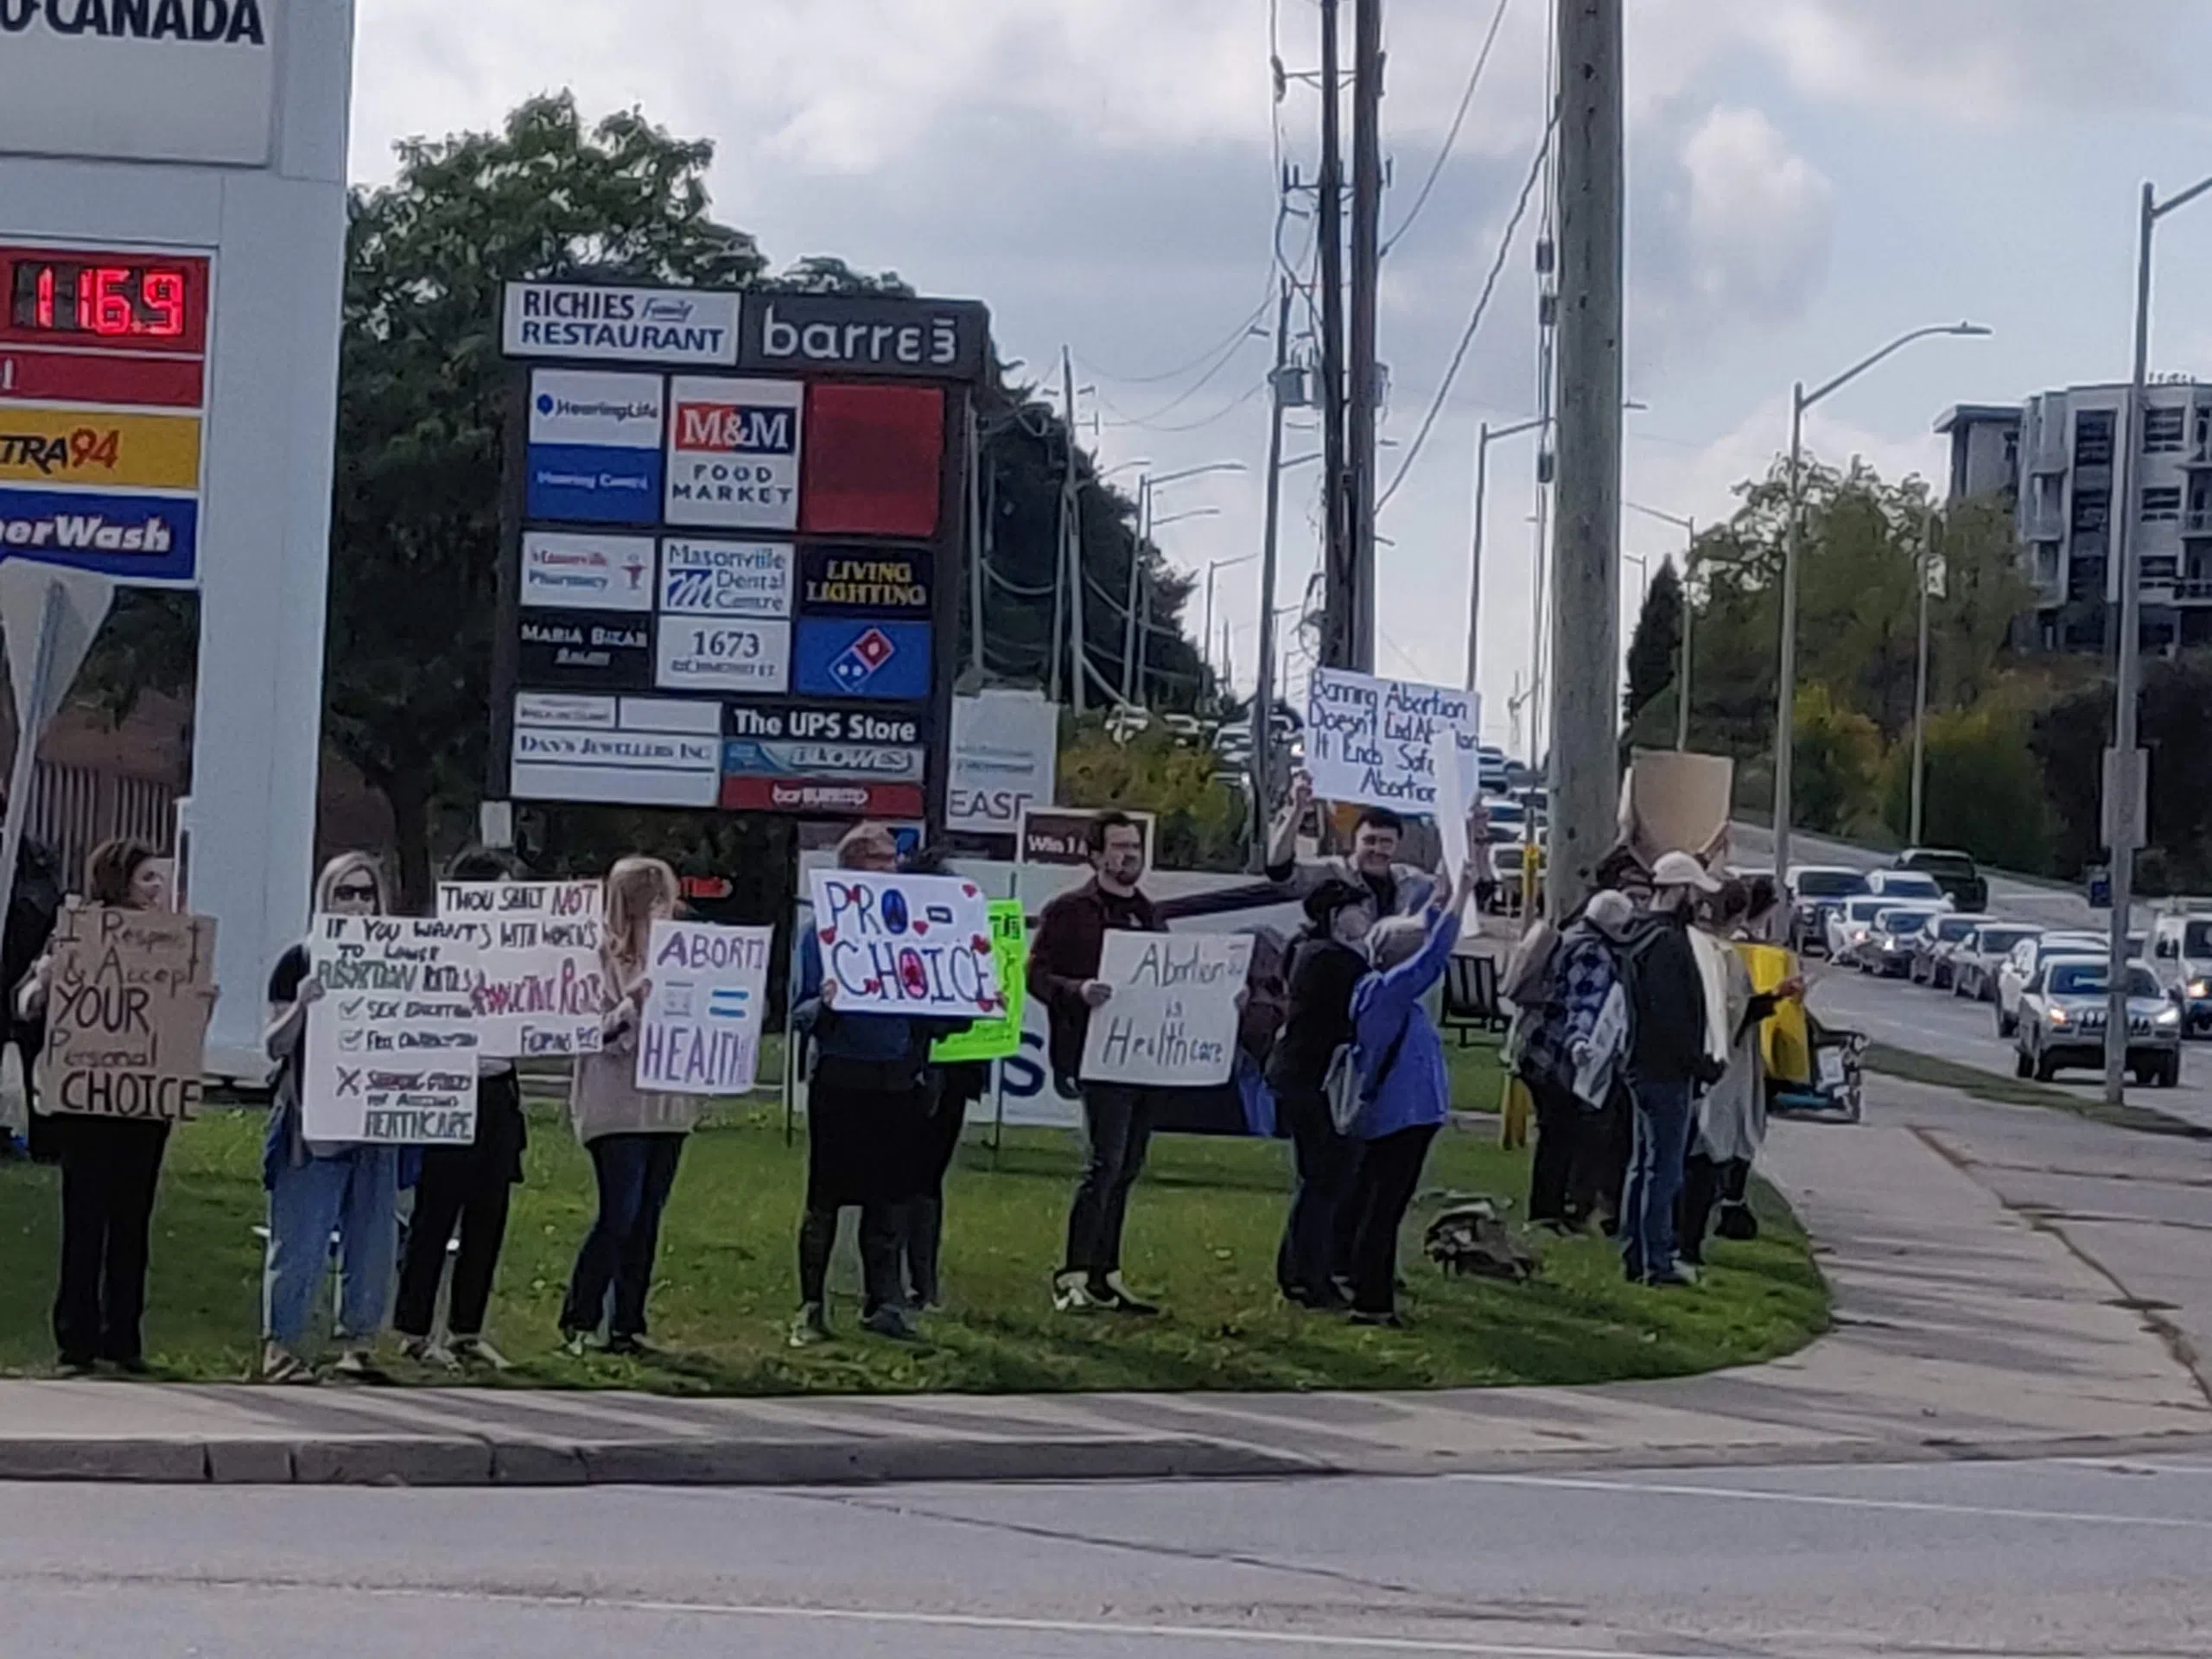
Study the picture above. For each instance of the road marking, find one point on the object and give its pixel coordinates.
(1748, 1494)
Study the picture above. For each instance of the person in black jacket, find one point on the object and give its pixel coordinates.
(31, 910)
(1669, 1060)
(1325, 965)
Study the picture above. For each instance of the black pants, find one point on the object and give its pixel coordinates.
(109, 1167)
(923, 1225)
(635, 1173)
(1117, 1125)
(1706, 1184)
(1577, 1169)
(1314, 1252)
(882, 1234)
(1390, 1175)
(470, 1186)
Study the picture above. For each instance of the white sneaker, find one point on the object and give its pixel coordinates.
(475, 1353)
(423, 1351)
(1071, 1293)
(811, 1327)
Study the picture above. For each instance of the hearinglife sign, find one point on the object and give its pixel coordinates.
(172, 259)
(734, 524)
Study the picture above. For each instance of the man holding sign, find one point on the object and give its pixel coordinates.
(1398, 889)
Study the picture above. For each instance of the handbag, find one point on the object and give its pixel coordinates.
(1340, 1085)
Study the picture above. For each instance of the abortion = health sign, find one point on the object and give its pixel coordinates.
(915, 944)
(126, 1014)
(541, 987)
(701, 1034)
(1370, 740)
(391, 1048)
(1172, 1021)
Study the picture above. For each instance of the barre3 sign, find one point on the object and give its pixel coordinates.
(917, 944)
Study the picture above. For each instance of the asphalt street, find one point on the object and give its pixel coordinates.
(2043, 1559)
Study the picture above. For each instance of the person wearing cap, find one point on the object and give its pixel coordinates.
(1668, 1063)
(1326, 965)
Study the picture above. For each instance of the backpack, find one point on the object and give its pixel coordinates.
(1341, 1086)
(1527, 981)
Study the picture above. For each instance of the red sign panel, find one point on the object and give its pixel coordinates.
(874, 459)
(38, 376)
(853, 799)
(103, 302)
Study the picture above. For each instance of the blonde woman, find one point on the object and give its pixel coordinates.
(316, 1186)
(634, 1138)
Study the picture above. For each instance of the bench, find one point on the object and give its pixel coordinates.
(1471, 1002)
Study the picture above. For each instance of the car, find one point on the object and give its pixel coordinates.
(1491, 764)
(2062, 1021)
(2181, 958)
(1908, 887)
(1931, 955)
(1814, 889)
(1849, 923)
(1891, 942)
(2016, 970)
(1953, 871)
(1975, 958)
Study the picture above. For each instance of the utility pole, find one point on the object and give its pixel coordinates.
(979, 545)
(1136, 575)
(1337, 555)
(1263, 692)
(1071, 545)
(1365, 396)
(1920, 674)
(1586, 557)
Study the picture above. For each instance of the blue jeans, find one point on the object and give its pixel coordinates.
(356, 1191)
(635, 1173)
(1655, 1177)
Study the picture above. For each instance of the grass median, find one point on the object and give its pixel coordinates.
(1202, 1235)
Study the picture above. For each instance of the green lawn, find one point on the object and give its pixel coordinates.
(1202, 1235)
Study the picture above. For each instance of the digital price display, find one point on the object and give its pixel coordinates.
(104, 301)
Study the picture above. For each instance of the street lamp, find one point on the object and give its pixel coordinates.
(1688, 527)
(2123, 767)
(1131, 628)
(1642, 565)
(1212, 566)
(1786, 695)
(1485, 435)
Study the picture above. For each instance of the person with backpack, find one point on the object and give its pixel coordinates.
(1563, 998)
(1327, 965)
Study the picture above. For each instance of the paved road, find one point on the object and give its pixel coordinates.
(2058, 1558)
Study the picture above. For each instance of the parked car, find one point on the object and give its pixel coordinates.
(1490, 763)
(2181, 959)
(1931, 955)
(2015, 972)
(2063, 1014)
(1953, 871)
(1892, 939)
(1815, 890)
(1908, 887)
(1975, 960)
(1849, 923)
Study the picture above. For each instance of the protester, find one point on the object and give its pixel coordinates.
(316, 1186)
(635, 1138)
(1668, 1062)
(1567, 1178)
(869, 1102)
(1117, 1117)
(1406, 1089)
(955, 1087)
(1398, 889)
(32, 909)
(110, 1166)
(1327, 963)
(468, 1186)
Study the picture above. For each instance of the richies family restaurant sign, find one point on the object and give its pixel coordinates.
(733, 531)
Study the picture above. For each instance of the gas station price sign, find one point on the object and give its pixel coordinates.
(101, 301)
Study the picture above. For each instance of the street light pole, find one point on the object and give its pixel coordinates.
(1485, 436)
(1213, 566)
(1919, 678)
(1785, 718)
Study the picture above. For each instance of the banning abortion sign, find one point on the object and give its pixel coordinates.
(701, 1030)
(126, 1014)
(917, 944)
(540, 988)
(391, 1046)
(1172, 1021)
(1369, 740)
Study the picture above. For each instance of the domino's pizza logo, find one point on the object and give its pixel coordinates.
(857, 663)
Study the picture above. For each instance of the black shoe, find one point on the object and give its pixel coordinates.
(75, 1365)
(631, 1346)
(1109, 1292)
(134, 1366)
(1386, 1321)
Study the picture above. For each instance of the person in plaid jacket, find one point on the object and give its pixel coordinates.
(1568, 1176)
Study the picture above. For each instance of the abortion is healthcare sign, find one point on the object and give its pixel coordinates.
(701, 1030)
(1372, 741)
(913, 945)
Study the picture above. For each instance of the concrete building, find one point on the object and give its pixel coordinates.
(2055, 459)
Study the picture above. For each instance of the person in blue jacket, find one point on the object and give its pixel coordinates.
(1407, 1093)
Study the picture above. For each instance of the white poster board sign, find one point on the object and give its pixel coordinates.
(701, 1034)
(1449, 763)
(541, 987)
(1371, 741)
(392, 1046)
(915, 944)
(1172, 1021)
(1004, 754)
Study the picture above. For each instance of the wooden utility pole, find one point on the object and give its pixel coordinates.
(1364, 398)
(1071, 545)
(1337, 557)
(1263, 693)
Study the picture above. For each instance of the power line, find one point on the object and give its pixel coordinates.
(1452, 137)
(1204, 357)
(1481, 304)
(1221, 414)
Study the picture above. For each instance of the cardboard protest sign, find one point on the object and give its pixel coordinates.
(914, 944)
(1448, 762)
(391, 1048)
(997, 1038)
(1676, 802)
(126, 1014)
(541, 989)
(1172, 1021)
(1371, 741)
(700, 1033)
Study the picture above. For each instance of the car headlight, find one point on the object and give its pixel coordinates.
(2058, 1016)
(2169, 1016)
(2200, 989)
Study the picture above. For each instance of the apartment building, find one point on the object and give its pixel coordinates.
(2055, 459)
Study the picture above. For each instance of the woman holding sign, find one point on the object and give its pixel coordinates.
(110, 1166)
(635, 1137)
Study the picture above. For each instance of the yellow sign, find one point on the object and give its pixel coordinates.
(96, 450)
(1788, 1046)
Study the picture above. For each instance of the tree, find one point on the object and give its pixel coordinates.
(1655, 649)
(1984, 788)
(2069, 738)
(1837, 752)
(1201, 810)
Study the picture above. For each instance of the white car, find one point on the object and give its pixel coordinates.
(1908, 887)
(2014, 973)
(1931, 955)
(1975, 960)
(1894, 938)
(1850, 923)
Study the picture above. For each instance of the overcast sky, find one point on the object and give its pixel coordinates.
(1806, 179)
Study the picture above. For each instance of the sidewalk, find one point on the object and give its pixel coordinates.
(1963, 1329)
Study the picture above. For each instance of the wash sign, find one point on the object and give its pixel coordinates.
(1372, 741)
(595, 447)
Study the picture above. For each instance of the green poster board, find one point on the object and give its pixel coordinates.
(996, 1039)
